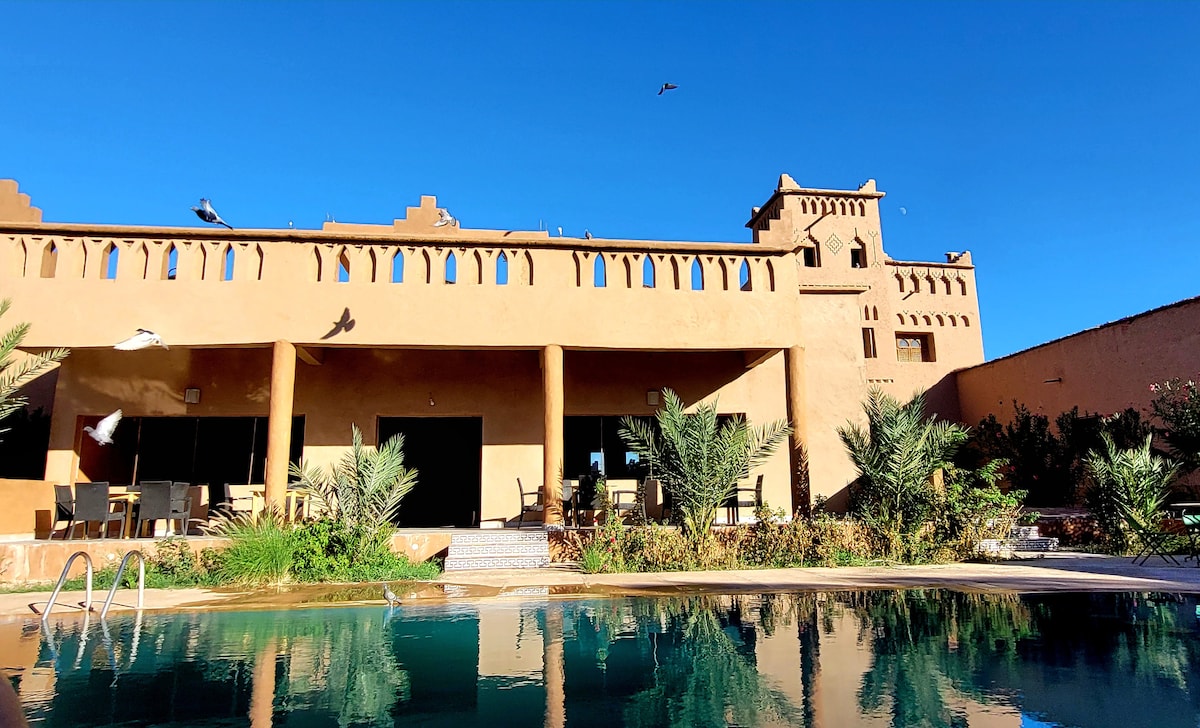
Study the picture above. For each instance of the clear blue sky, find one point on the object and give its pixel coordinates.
(1057, 141)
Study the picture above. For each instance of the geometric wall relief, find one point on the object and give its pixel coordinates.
(834, 243)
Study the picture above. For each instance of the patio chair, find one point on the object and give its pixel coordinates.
(570, 500)
(238, 499)
(623, 494)
(181, 506)
(528, 507)
(153, 504)
(92, 505)
(1155, 540)
(743, 497)
(64, 509)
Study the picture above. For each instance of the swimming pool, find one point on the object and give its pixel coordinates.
(921, 657)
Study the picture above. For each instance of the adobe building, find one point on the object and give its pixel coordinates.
(1136, 351)
(499, 354)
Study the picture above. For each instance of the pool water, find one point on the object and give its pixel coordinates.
(882, 658)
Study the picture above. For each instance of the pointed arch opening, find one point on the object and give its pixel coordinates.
(954, 321)
(745, 280)
(528, 268)
(599, 272)
(451, 270)
(900, 282)
(578, 270)
(502, 269)
(343, 273)
(628, 271)
(229, 260)
(647, 273)
(398, 267)
(875, 312)
(770, 276)
(49, 260)
(966, 321)
(697, 274)
(109, 261)
(170, 263)
(143, 261)
(962, 286)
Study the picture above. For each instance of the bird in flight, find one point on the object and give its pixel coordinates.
(666, 87)
(103, 431)
(143, 339)
(345, 323)
(206, 213)
(445, 218)
(390, 595)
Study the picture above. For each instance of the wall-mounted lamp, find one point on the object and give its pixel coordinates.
(191, 395)
(431, 402)
(652, 397)
(1052, 381)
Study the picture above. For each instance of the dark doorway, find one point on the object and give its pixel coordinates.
(447, 455)
(446, 452)
(212, 450)
(595, 443)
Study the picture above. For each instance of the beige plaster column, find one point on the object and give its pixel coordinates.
(279, 422)
(552, 408)
(797, 410)
(554, 672)
(262, 687)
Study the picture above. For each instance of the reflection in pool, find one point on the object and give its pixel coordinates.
(915, 658)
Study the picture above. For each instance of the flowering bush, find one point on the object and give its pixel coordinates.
(1177, 407)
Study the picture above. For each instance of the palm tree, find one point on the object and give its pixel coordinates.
(16, 374)
(363, 490)
(896, 455)
(1127, 484)
(698, 458)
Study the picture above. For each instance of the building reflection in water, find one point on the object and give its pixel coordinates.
(916, 658)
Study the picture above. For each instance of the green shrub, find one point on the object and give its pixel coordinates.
(593, 560)
(260, 550)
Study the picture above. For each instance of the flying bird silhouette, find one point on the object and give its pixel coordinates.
(345, 323)
(666, 87)
(103, 431)
(143, 339)
(445, 218)
(206, 213)
(390, 595)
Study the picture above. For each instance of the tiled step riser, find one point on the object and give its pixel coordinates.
(499, 537)
(501, 549)
(515, 562)
(1024, 532)
(995, 545)
(498, 550)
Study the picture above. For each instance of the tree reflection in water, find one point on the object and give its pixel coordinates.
(914, 658)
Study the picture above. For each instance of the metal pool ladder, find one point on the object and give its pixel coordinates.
(87, 602)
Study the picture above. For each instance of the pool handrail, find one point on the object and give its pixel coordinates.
(117, 582)
(62, 578)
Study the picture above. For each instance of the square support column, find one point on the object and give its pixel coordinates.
(279, 422)
(552, 407)
(797, 411)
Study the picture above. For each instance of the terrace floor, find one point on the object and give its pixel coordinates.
(1062, 571)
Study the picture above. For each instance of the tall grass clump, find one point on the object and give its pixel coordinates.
(261, 549)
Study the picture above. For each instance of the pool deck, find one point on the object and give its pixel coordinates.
(1055, 572)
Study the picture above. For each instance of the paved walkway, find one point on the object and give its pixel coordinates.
(1055, 572)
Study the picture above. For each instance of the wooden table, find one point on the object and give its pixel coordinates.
(295, 500)
(123, 495)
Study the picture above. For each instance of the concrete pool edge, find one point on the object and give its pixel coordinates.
(1056, 572)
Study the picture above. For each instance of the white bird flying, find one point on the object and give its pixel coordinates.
(444, 219)
(206, 213)
(103, 431)
(390, 595)
(143, 339)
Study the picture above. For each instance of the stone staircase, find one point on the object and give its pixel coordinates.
(498, 549)
(1020, 538)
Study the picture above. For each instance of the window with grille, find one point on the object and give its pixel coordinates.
(914, 347)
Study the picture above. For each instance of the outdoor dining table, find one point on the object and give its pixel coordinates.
(295, 500)
(127, 496)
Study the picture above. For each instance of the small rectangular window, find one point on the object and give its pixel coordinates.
(858, 258)
(914, 347)
(811, 258)
(869, 351)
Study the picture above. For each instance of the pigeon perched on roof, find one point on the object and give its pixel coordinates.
(445, 218)
(666, 87)
(587, 234)
(206, 213)
(143, 339)
(390, 595)
(103, 431)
